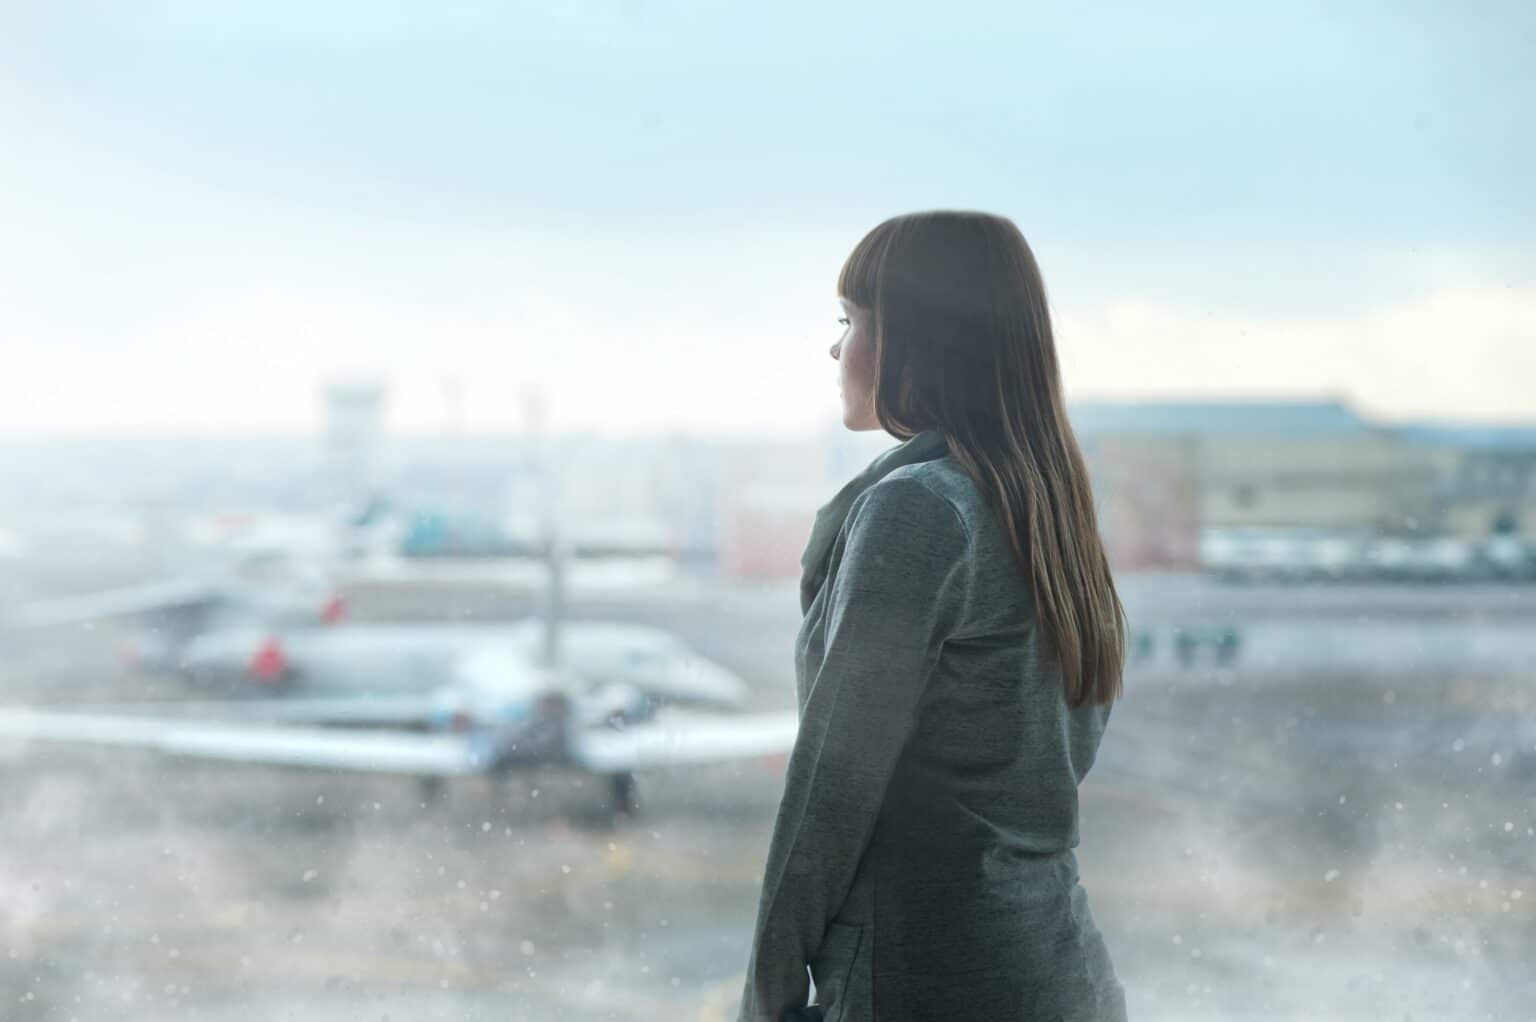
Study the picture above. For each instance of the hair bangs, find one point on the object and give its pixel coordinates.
(859, 281)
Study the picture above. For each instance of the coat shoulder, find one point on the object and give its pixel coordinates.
(945, 479)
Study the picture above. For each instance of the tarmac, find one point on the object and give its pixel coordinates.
(1336, 824)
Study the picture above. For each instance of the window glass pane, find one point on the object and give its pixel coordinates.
(414, 421)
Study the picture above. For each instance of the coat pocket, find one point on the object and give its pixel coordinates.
(837, 974)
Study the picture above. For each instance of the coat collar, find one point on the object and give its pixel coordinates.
(814, 563)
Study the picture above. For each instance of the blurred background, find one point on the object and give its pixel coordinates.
(412, 417)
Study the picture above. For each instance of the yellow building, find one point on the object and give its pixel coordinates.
(1303, 488)
(1483, 479)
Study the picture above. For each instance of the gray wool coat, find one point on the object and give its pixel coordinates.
(922, 865)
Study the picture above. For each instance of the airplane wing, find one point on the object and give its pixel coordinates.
(678, 738)
(671, 738)
(151, 598)
(383, 752)
(512, 572)
(355, 711)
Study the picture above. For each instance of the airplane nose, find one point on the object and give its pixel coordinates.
(715, 682)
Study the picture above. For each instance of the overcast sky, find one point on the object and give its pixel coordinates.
(208, 209)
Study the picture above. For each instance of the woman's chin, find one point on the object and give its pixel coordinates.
(856, 424)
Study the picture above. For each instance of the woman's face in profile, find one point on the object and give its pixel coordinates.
(854, 352)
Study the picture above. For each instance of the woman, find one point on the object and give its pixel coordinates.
(961, 645)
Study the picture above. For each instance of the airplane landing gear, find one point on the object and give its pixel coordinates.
(430, 788)
(623, 794)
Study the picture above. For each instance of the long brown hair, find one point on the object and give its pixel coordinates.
(963, 345)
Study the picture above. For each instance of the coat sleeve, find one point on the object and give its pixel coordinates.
(897, 594)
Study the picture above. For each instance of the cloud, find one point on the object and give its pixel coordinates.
(1458, 352)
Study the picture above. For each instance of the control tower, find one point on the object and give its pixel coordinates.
(354, 433)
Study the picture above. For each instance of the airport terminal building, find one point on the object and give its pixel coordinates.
(1273, 489)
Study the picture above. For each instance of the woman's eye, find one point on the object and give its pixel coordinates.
(843, 320)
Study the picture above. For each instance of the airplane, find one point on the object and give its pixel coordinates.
(438, 546)
(173, 615)
(499, 714)
(380, 538)
(216, 631)
(434, 701)
(393, 659)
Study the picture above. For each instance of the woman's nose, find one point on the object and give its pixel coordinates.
(833, 350)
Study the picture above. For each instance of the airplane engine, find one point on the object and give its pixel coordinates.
(539, 732)
(616, 704)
